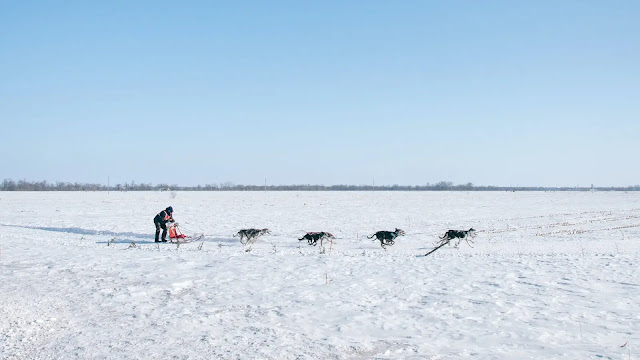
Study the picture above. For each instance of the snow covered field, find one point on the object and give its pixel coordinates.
(551, 275)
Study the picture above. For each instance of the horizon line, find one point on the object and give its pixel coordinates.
(24, 185)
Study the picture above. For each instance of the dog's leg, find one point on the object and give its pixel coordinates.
(469, 241)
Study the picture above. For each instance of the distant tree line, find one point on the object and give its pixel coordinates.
(24, 185)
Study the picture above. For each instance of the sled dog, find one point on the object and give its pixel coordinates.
(313, 237)
(386, 237)
(251, 235)
(457, 234)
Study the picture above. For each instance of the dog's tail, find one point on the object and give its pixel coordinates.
(443, 236)
(371, 237)
(236, 234)
(302, 238)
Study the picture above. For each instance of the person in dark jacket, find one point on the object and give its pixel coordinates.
(161, 221)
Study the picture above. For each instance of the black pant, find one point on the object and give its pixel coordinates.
(160, 225)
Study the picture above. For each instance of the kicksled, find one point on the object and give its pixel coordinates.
(177, 237)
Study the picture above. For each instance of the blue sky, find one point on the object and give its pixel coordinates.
(323, 92)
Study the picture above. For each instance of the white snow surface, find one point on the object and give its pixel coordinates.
(551, 275)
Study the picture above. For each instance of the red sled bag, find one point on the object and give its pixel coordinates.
(175, 233)
(176, 236)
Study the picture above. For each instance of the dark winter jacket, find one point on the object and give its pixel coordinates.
(163, 217)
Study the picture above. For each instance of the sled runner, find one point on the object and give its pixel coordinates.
(176, 236)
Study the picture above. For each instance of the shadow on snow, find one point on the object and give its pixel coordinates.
(80, 231)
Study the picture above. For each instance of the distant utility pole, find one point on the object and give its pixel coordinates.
(108, 184)
(265, 185)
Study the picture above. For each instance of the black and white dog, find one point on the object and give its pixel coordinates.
(251, 235)
(313, 237)
(457, 234)
(386, 237)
